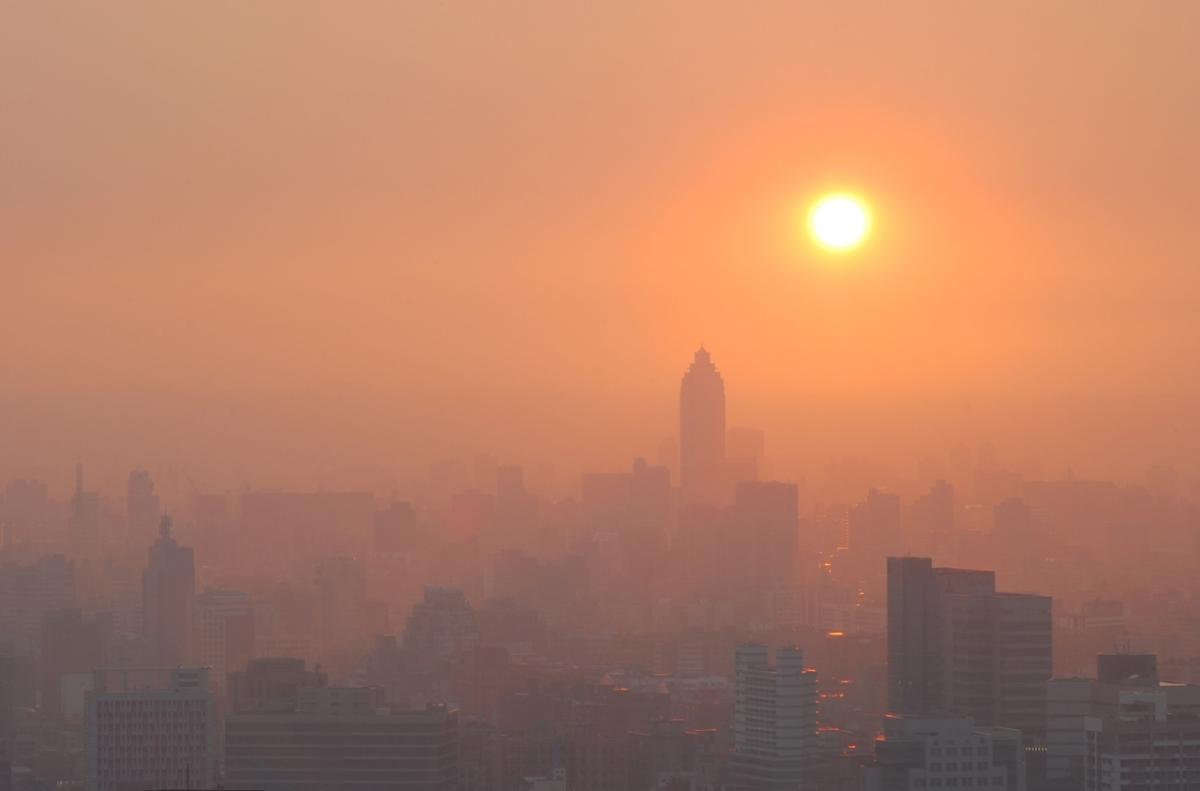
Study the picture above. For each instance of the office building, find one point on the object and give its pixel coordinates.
(332, 742)
(919, 753)
(271, 685)
(1123, 729)
(957, 646)
(775, 720)
(150, 729)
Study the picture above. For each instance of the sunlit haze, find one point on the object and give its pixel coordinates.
(306, 236)
(599, 396)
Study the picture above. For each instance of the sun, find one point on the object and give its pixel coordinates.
(839, 222)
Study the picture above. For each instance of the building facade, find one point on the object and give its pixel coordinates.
(775, 720)
(920, 753)
(314, 749)
(150, 729)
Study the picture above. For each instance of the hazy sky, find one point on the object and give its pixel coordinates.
(271, 239)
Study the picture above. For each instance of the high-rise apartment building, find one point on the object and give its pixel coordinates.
(150, 729)
(775, 719)
(702, 432)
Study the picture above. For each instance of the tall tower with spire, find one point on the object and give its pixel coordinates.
(168, 591)
(702, 432)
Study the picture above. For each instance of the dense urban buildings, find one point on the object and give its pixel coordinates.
(484, 632)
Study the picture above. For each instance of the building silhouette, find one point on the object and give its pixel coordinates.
(84, 527)
(141, 506)
(702, 432)
(957, 646)
(168, 594)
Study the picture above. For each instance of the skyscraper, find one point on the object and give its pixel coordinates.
(84, 528)
(775, 720)
(956, 645)
(916, 656)
(766, 518)
(141, 505)
(702, 432)
(168, 591)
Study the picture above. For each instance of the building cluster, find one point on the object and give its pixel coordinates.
(679, 625)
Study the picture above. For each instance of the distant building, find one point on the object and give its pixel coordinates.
(84, 527)
(141, 506)
(442, 625)
(330, 743)
(875, 525)
(222, 634)
(766, 518)
(71, 644)
(921, 753)
(150, 729)
(168, 593)
(775, 720)
(702, 432)
(28, 594)
(341, 605)
(272, 685)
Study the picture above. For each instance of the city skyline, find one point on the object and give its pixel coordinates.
(600, 396)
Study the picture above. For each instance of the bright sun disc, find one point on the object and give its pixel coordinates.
(839, 222)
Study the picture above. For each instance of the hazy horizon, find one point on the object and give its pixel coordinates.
(310, 238)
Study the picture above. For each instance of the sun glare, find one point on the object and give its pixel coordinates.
(839, 222)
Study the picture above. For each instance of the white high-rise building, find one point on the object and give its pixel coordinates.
(150, 729)
(775, 719)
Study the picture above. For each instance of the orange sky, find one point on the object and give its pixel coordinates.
(311, 235)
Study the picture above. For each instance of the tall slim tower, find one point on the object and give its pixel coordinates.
(702, 432)
(141, 506)
(168, 592)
